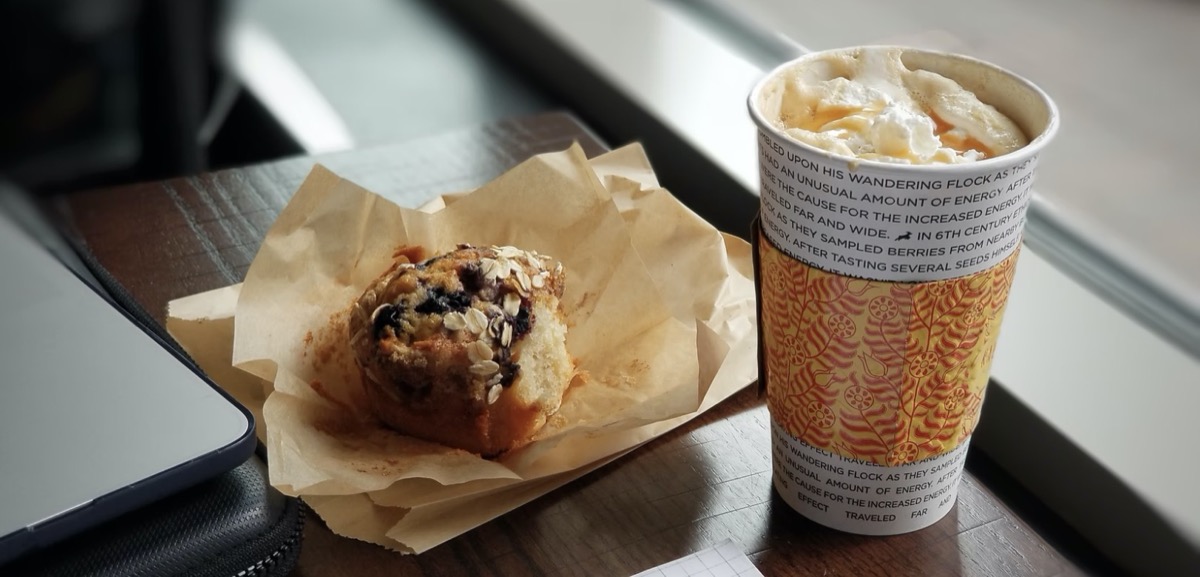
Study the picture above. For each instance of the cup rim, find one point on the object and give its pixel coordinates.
(1035, 145)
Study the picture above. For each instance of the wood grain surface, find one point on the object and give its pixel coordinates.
(704, 482)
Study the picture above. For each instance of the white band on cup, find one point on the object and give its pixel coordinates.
(863, 220)
(861, 497)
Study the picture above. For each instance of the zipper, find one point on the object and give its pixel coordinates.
(263, 566)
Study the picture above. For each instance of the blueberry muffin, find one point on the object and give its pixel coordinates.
(467, 349)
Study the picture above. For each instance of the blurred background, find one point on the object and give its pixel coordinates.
(106, 91)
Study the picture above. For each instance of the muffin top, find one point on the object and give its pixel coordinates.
(452, 320)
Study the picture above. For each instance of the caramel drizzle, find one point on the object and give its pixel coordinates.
(956, 142)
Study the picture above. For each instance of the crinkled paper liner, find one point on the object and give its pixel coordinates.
(662, 321)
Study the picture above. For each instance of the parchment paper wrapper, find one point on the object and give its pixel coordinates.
(882, 288)
(661, 307)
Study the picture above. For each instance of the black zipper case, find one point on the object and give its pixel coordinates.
(234, 525)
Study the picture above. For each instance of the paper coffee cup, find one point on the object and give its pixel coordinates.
(882, 288)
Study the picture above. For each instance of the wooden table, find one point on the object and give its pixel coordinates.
(683, 492)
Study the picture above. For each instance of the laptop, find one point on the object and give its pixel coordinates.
(97, 417)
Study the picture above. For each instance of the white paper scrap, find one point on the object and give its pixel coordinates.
(725, 559)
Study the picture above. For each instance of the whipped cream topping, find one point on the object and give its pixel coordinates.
(866, 104)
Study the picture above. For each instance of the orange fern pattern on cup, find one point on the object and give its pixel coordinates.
(889, 373)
